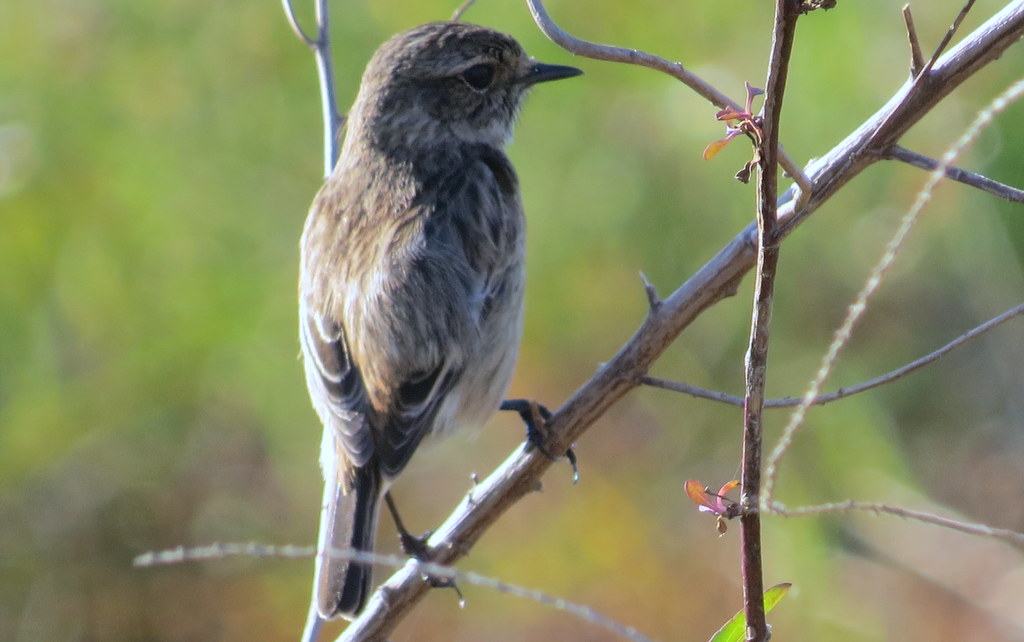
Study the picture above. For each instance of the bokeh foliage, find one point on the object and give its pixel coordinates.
(156, 163)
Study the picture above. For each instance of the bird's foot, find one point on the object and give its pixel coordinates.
(416, 547)
(536, 416)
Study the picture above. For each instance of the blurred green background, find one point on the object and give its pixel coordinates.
(156, 163)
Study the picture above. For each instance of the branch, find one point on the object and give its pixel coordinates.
(461, 9)
(521, 472)
(949, 35)
(786, 14)
(983, 183)
(321, 46)
(653, 301)
(856, 310)
(910, 103)
(610, 53)
(1011, 537)
(842, 393)
(332, 123)
(220, 551)
(916, 57)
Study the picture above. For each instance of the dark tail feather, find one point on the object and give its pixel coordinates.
(347, 521)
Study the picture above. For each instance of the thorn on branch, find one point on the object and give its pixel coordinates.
(653, 300)
(916, 57)
(470, 498)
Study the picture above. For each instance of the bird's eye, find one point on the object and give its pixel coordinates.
(480, 76)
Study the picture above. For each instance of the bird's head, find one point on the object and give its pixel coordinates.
(447, 80)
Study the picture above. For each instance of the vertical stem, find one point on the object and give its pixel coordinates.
(786, 12)
(325, 72)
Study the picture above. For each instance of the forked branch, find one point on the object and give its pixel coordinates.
(321, 46)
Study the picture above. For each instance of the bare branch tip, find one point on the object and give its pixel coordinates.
(916, 57)
(804, 185)
(461, 9)
(946, 39)
(653, 300)
(289, 12)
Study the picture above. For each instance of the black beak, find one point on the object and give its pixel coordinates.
(541, 72)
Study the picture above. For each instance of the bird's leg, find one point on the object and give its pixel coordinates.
(536, 416)
(411, 545)
(417, 546)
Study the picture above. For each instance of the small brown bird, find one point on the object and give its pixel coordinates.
(411, 287)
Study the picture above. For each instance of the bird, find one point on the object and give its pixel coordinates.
(411, 274)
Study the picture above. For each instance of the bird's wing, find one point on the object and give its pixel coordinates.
(335, 386)
(413, 414)
(348, 517)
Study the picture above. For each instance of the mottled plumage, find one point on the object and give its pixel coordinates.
(411, 287)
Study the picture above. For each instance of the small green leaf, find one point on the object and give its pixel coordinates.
(733, 631)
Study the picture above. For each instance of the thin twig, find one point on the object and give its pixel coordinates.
(289, 12)
(321, 46)
(457, 15)
(983, 183)
(949, 35)
(332, 123)
(219, 551)
(842, 393)
(611, 53)
(856, 310)
(1006, 535)
(756, 366)
(916, 57)
(914, 99)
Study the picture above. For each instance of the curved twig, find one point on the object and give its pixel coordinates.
(289, 12)
(321, 46)
(219, 551)
(611, 53)
(461, 9)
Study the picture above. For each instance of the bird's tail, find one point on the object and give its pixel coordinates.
(348, 520)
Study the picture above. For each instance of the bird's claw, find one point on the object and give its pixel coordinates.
(536, 416)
